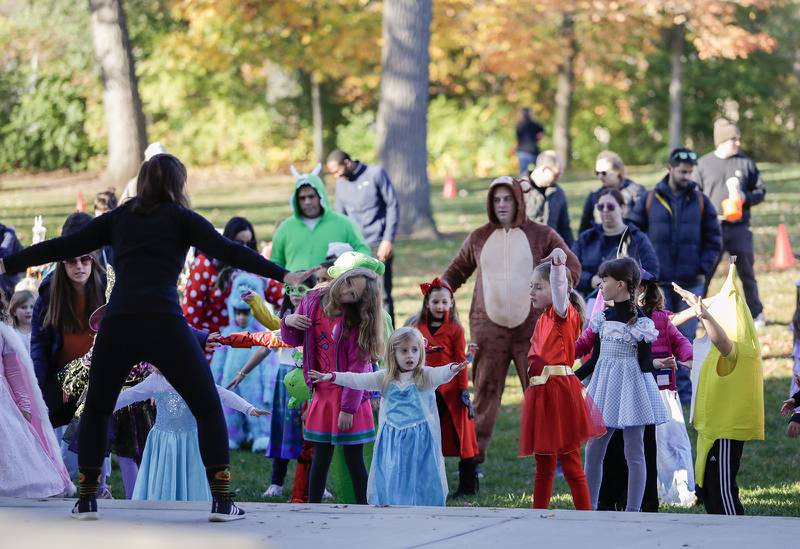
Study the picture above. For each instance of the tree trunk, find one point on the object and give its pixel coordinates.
(403, 111)
(316, 115)
(677, 37)
(127, 136)
(565, 88)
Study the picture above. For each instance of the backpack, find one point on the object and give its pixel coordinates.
(649, 200)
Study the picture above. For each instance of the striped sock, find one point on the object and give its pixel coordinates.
(89, 478)
(219, 480)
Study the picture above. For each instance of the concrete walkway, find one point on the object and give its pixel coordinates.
(44, 524)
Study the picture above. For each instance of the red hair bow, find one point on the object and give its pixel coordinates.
(435, 284)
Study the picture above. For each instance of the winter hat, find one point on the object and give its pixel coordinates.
(154, 149)
(724, 130)
(355, 260)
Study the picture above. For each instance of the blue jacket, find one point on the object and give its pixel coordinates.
(589, 249)
(368, 198)
(687, 243)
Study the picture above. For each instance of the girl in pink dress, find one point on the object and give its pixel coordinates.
(340, 327)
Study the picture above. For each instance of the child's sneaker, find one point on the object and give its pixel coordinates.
(273, 491)
(85, 509)
(326, 495)
(225, 510)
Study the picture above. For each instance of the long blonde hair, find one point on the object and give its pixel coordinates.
(402, 335)
(366, 315)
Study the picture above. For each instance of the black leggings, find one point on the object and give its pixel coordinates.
(165, 341)
(279, 467)
(353, 457)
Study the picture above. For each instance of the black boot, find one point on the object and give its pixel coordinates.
(467, 479)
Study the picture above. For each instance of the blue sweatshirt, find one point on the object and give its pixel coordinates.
(368, 198)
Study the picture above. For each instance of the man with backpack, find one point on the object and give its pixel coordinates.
(682, 224)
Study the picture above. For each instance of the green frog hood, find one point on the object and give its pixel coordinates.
(313, 179)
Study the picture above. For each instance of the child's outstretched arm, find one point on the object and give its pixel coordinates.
(443, 374)
(139, 392)
(258, 355)
(559, 286)
(715, 332)
(240, 340)
(368, 381)
(232, 400)
(260, 310)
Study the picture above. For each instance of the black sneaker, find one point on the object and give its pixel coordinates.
(85, 509)
(225, 510)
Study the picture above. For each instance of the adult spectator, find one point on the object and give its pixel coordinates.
(502, 254)
(682, 225)
(610, 170)
(545, 200)
(104, 202)
(731, 179)
(365, 194)
(529, 134)
(208, 285)
(611, 239)
(9, 244)
(302, 240)
(60, 327)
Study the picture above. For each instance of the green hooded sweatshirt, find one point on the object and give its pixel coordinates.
(296, 247)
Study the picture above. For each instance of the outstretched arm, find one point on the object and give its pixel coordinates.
(139, 392)
(369, 381)
(443, 374)
(260, 310)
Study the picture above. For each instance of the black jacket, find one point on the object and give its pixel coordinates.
(631, 191)
(549, 208)
(712, 173)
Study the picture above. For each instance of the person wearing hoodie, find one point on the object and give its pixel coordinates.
(545, 201)
(302, 240)
(502, 254)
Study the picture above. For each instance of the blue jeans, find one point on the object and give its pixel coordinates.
(674, 303)
(525, 159)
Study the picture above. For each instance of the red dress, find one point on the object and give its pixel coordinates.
(556, 417)
(458, 430)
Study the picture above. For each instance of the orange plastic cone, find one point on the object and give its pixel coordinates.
(80, 203)
(783, 250)
(450, 189)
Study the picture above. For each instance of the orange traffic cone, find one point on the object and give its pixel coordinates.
(80, 203)
(783, 250)
(450, 189)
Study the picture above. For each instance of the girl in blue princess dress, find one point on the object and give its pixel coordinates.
(172, 469)
(407, 463)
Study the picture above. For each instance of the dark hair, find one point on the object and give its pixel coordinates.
(286, 307)
(652, 296)
(422, 316)
(162, 179)
(615, 194)
(74, 223)
(542, 270)
(796, 317)
(234, 226)
(524, 115)
(61, 312)
(625, 270)
(3, 306)
(106, 200)
(338, 156)
(682, 155)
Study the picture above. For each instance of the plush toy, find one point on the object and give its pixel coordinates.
(296, 383)
(227, 362)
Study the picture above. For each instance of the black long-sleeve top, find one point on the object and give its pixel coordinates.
(620, 312)
(149, 253)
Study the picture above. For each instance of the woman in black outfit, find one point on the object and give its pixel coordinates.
(150, 236)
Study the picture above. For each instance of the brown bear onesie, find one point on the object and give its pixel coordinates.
(501, 317)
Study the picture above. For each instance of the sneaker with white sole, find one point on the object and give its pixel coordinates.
(326, 495)
(85, 509)
(759, 322)
(225, 510)
(274, 491)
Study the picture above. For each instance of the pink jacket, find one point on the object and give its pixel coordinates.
(349, 357)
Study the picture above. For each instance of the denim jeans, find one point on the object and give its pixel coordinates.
(674, 303)
(525, 159)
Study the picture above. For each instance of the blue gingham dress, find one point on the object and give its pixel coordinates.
(626, 396)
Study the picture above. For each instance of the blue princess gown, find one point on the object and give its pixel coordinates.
(407, 464)
(172, 469)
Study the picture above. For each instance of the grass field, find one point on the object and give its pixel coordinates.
(770, 474)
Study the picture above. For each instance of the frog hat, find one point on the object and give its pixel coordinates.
(355, 260)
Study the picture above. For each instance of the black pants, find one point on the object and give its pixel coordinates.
(737, 239)
(353, 457)
(614, 489)
(388, 302)
(719, 492)
(279, 468)
(165, 341)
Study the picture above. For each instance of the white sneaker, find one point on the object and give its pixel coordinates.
(274, 490)
(327, 495)
(760, 321)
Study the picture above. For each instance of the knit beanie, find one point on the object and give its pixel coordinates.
(724, 130)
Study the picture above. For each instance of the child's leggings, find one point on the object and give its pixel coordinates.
(634, 455)
(573, 473)
(353, 457)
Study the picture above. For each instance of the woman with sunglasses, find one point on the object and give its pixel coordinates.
(610, 170)
(611, 239)
(150, 236)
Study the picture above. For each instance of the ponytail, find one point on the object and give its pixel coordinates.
(578, 304)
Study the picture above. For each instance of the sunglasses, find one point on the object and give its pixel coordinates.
(608, 206)
(684, 155)
(73, 261)
(601, 174)
(295, 290)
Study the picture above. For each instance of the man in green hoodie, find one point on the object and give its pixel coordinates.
(302, 240)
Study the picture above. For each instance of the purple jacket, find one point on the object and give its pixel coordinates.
(349, 357)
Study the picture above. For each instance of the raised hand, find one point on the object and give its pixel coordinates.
(299, 322)
(247, 295)
(39, 230)
(297, 278)
(557, 257)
